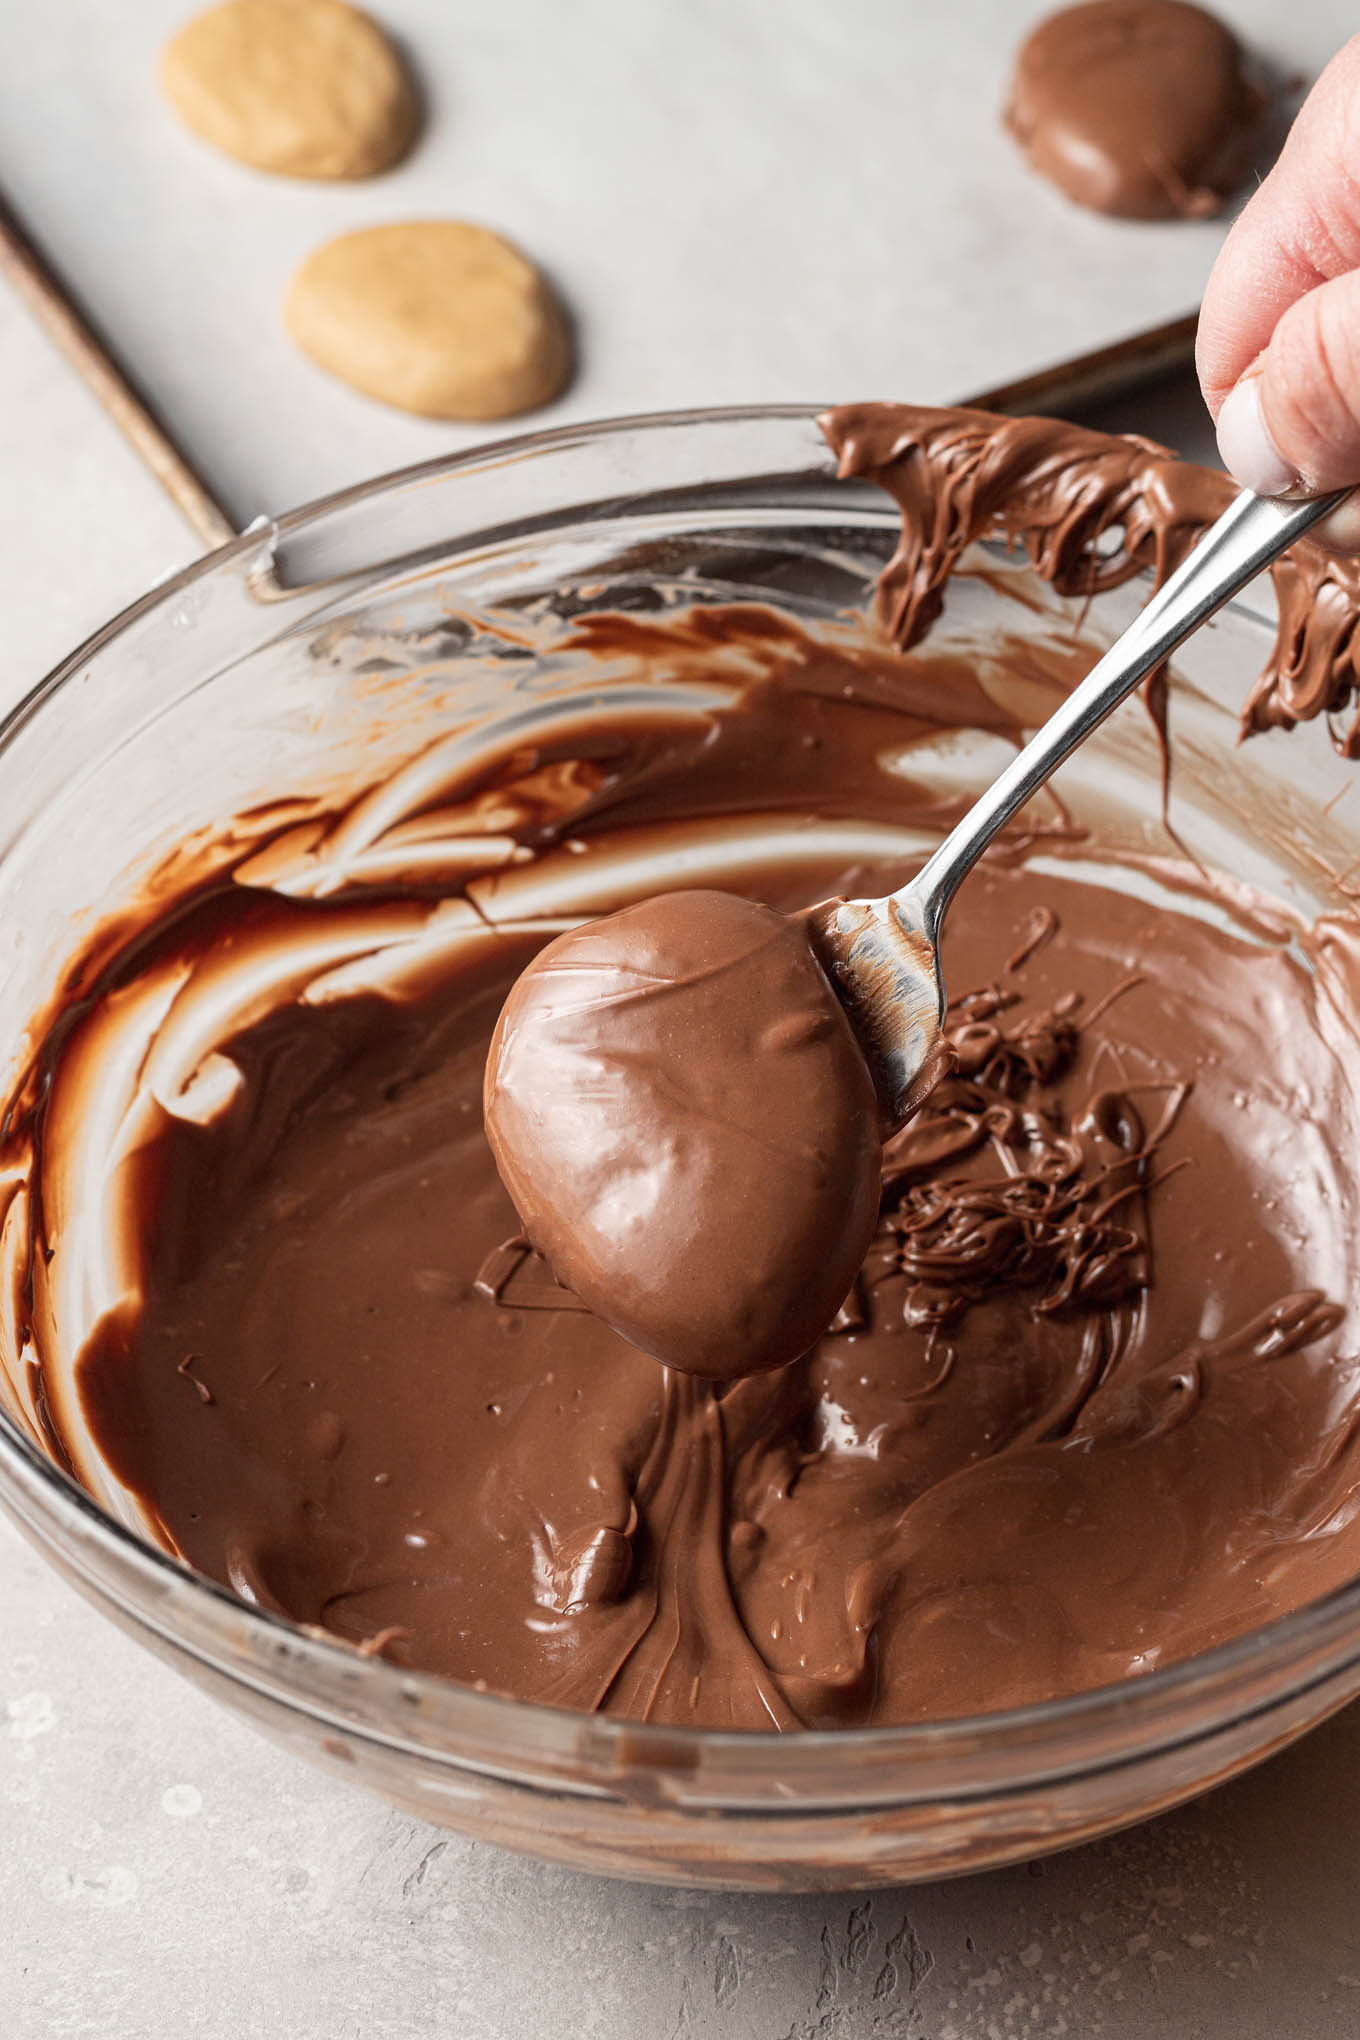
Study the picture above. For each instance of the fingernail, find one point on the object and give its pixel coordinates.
(1245, 446)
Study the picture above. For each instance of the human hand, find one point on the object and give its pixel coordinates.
(1279, 334)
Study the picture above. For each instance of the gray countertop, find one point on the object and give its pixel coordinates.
(165, 1873)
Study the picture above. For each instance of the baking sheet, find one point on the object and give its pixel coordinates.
(741, 202)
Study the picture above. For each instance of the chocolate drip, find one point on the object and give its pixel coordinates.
(1090, 510)
(1059, 1218)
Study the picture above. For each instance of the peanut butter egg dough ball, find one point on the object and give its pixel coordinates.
(439, 317)
(305, 88)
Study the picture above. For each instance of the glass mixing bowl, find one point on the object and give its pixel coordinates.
(349, 631)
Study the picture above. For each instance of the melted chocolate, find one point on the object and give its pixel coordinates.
(1086, 1408)
(1091, 1402)
(1140, 108)
(1090, 509)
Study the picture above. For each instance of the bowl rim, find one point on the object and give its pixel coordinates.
(1128, 1718)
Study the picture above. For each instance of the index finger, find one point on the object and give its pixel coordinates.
(1301, 229)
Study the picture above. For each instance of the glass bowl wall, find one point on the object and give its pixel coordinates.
(351, 634)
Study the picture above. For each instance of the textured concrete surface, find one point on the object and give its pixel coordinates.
(83, 528)
(165, 1874)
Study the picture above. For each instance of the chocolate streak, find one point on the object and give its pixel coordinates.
(1091, 1402)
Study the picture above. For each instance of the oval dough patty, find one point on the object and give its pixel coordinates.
(435, 316)
(308, 88)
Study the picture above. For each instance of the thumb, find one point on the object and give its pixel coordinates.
(1291, 424)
